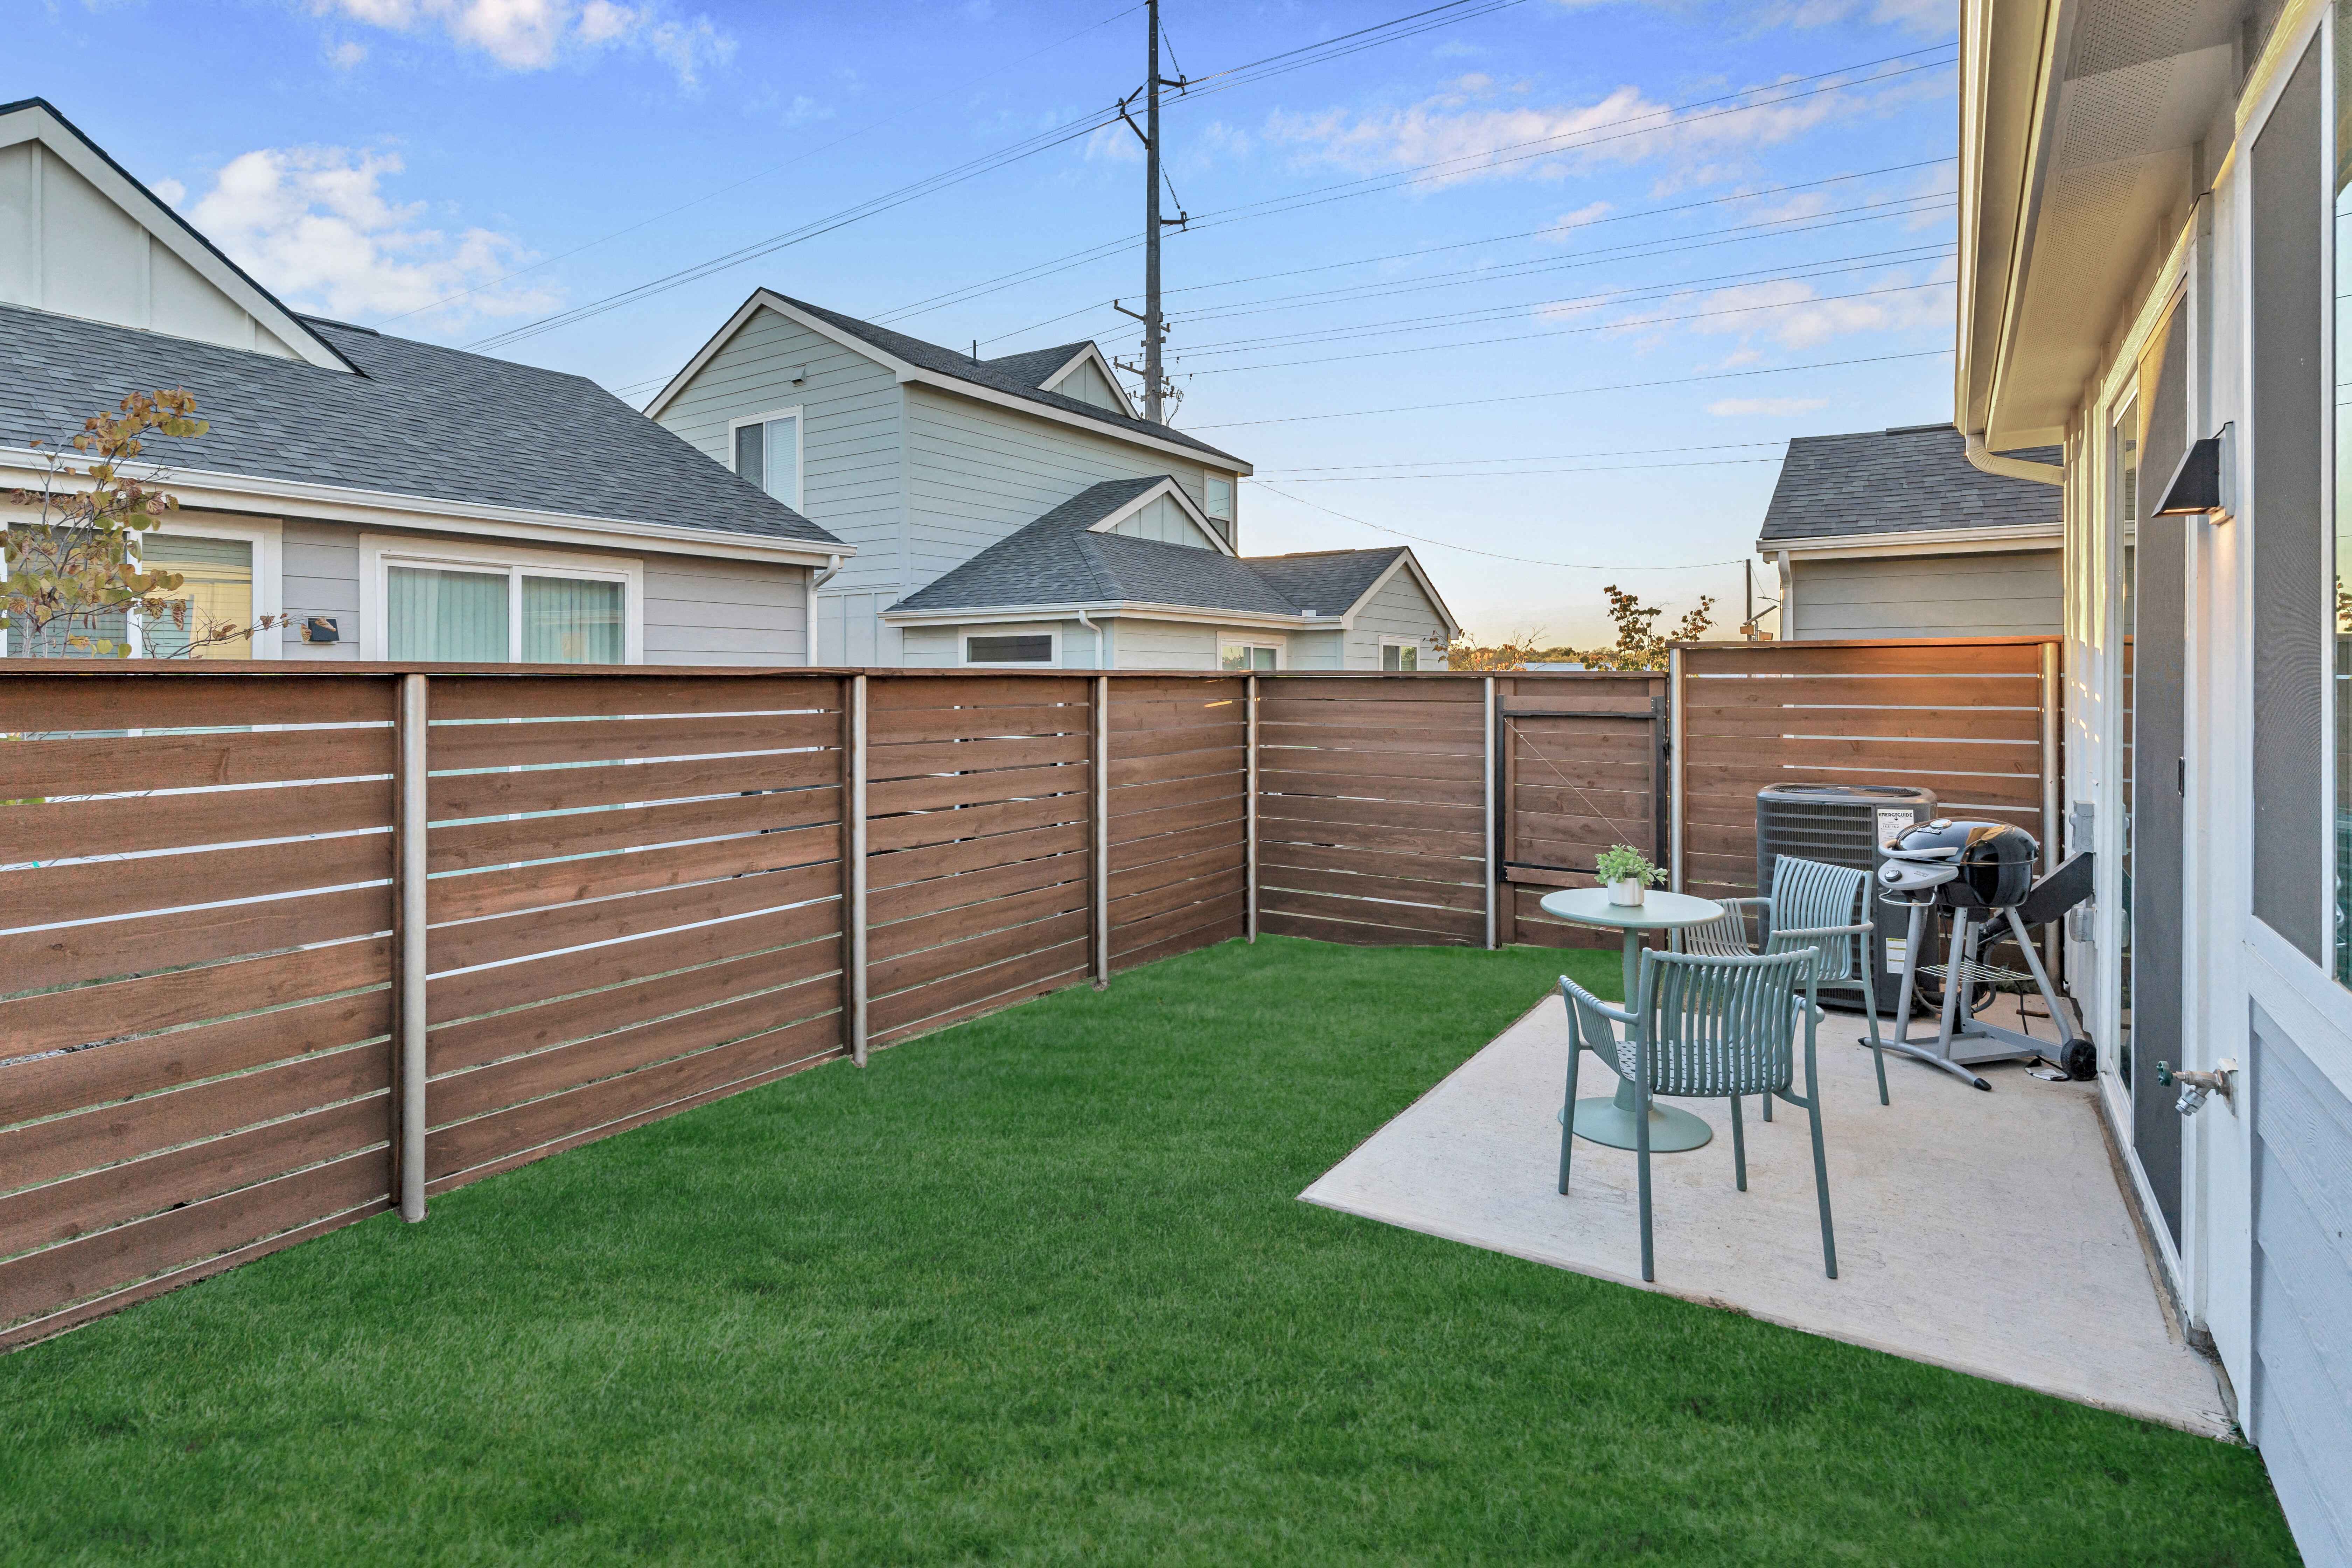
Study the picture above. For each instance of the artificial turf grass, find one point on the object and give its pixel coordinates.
(1038, 1289)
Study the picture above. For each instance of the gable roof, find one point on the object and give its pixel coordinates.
(438, 424)
(1329, 581)
(37, 119)
(1063, 559)
(1038, 366)
(1911, 479)
(916, 360)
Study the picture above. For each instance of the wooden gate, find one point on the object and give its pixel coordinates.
(1580, 766)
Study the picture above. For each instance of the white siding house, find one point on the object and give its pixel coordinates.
(2154, 201)
(955, 477)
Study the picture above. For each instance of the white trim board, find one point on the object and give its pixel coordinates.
(212, 490)
(2003, 540)
(908, 373)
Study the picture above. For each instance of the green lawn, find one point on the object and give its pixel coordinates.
(1038, 1290)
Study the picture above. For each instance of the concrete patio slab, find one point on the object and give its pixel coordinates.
(1983, 1232)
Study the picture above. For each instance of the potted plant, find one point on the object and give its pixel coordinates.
(1628, 873)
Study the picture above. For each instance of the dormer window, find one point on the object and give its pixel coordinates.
(767, 453)
(1218, 497)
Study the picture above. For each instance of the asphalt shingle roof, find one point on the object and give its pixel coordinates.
(1032, 368)
(1325, 581)
(1899, 481)
(436, 424)
(1059, 561)
(991, 374)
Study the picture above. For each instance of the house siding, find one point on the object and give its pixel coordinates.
(1998, 593)
(1167, 645)
(941, 647)
(1088, 384)
(852, 415)
(1167, 522)
(1318, 651)
(2301, 1404)
(697, 612)
(1399, 609)
(977, 473)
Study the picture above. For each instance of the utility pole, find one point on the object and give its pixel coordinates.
(1154, 326)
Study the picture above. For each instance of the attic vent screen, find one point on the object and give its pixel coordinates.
(1036, 648)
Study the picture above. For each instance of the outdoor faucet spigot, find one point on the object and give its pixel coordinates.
(2196, 1088)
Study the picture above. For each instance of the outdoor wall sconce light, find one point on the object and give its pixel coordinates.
(2199, 487)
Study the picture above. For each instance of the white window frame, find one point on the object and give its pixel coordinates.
(378, 553)
(1420, 645)
(267, 537)
(1208, 497)
(964, 634)
(1245, 642)
(800, 448)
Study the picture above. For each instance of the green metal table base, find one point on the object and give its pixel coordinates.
(1611, 1121)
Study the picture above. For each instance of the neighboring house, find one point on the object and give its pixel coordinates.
(398, 500)
(1016, 511)
(1894, 533)
(2152, 275)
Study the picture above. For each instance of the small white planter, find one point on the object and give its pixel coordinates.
(1629, 891)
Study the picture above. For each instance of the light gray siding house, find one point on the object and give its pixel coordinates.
(1004, 510)
(1893, 533)
(393, 498)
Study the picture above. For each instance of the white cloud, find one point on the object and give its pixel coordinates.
(1470, 135)
(315, 226)
(1770, 407)
(170, 192)
(1923, 15)
(346, 55)
(1591, 212)
(534, 34)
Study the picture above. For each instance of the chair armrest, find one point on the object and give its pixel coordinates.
(1824, 931)
(1745, 903)
(1586, 999)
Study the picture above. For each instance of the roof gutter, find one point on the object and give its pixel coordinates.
(1985, 460)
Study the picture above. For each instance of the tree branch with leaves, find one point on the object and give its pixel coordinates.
(74, 578)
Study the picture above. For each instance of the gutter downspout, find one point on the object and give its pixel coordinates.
(1986, 461)
(815, 583)
(1102, 647)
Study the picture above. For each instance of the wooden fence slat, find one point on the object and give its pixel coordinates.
(476, 1042)
(102, 1074)
(1440, 924)
(107, 1135)
(44, 1281)
(922, 829)
(509, 890)
(1274, 880)
(1276, 805)
(1351, 767)
(101, 765)
(1139, 907)
(1284, 922)
(1450, 721)
(939, 927)
(1007, 879)
(1931, 656)
(1132, 853)
(885, 760)
(930, 966)
(512, 1080)
(61, 830)
(41, 1215)
(148, 943)
(1125, 799)
(1034, 973)
(978, 852)
(1190, 867)
(907, 725)
(543, 744)
(451, 997)
(934, 792)
(64, 1020)
(91, 888)
(597, 696)
(570, 925)
(977, 692)
(570, 789)
(45, 703)
(1178, 931)
(465, 846)
(1137, 825)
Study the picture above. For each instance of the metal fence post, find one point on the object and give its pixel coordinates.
(1249, 812)
(1674, 757)
(853, 902)
(1493, 869)
(1101, 814)
(413, 813)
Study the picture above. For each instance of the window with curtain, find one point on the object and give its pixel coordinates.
(767, 453)
(569, 620)
(431, 612)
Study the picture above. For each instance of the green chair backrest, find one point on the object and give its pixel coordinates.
(1808, 896)
(1720, 1025)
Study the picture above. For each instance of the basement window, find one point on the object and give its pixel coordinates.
(1012, 648)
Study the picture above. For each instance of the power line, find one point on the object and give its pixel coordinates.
(1317, 336)
(1524, 472)
(906, 106)
(1108, 248)
(1529, 458)
(931, 184)
(1577, 391)
(1580, 331)
(1493, 555)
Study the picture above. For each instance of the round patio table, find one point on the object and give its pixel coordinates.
(1610, 1119)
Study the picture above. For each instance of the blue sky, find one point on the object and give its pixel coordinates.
(1576, 256)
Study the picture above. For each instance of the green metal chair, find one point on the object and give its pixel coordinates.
(1824, 907)
(1710, 1027)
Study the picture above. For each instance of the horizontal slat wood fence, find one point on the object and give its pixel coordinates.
(643, 891)
(1975, 721)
